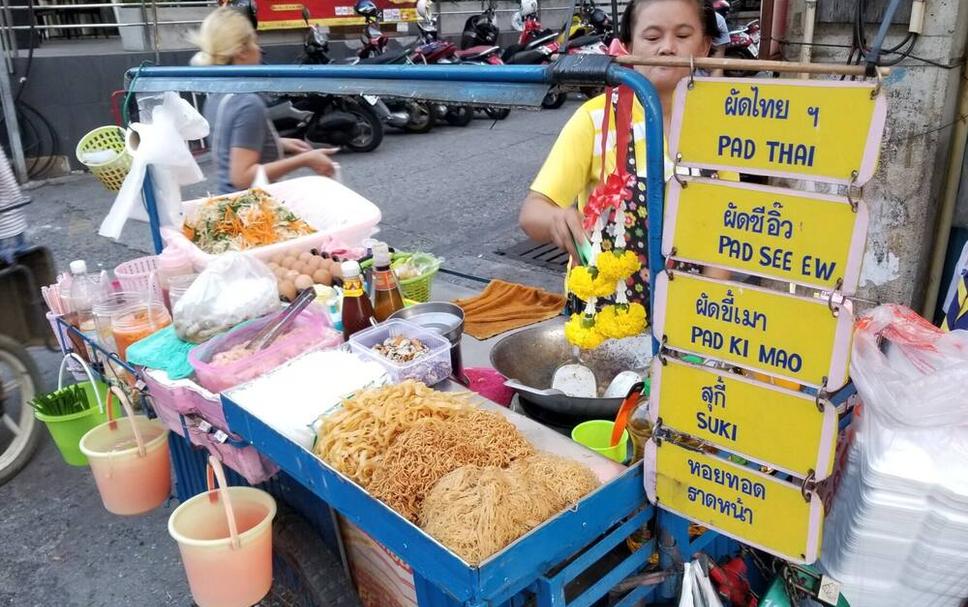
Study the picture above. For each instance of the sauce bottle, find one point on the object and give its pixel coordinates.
(387, 298)
(357, 309)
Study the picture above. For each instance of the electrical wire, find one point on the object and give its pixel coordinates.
(946, 66)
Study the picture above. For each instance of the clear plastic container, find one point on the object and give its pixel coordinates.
(310, 331)
(135, 322)
(430, 369)
(177, 286)
(108, 306)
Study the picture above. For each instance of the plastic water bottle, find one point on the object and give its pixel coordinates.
(83, 293)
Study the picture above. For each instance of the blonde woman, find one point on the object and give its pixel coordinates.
(242, 136)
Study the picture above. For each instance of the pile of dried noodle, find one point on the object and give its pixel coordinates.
(431, 448)
(355, 439)
(476, 511)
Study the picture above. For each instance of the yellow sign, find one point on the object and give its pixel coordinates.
(752, 507)
(792, 337)
(810, 239)
(822, 130)
(770, 425)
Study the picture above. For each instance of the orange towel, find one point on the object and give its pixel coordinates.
(504, 306)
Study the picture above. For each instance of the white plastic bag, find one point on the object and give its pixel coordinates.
(160, 143)
(909, 373)
(232, 289)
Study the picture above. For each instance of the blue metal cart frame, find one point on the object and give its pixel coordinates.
(543, 563)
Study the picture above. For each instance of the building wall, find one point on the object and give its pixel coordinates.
(904, 194)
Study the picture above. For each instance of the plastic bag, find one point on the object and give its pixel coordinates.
(232, 289)
(909, 373)
(418, 264)
(160, 143)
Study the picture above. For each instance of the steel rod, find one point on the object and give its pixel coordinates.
(59, 7)
(789, 67)
(75, 26)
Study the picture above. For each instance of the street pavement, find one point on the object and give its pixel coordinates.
(454, 192)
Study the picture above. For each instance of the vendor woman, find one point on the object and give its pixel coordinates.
(243, 137)
(553, 208)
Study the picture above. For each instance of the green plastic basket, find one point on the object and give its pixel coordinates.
(416, 289)
(112, 172)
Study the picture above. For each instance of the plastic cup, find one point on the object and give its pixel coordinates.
(110, 305)
(597, 434)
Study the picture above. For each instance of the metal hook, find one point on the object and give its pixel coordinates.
(850, 188)
(821, 394)
(675, 172)
(811, 476)
(830, 298)
(877, 87)
(692, 73)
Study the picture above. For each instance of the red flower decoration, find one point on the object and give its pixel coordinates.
(607, 196)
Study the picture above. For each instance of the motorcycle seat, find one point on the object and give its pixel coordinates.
(583, 41)
(385, 58)
(527, 57)
(541, 40)
(477, 52)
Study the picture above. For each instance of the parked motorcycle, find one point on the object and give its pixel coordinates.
(349, 122)
(411, 115)
(744, 43)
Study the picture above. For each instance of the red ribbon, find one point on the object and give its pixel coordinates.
(612, 192)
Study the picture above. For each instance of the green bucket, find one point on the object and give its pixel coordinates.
(67, 430)
(597, 434)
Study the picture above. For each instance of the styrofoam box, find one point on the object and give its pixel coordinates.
(342, 218)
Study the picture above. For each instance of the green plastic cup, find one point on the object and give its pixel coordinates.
(67, 430)
(597, 434)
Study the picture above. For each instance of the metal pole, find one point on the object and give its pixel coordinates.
(615, 23)
(713, 63)
(13, 126)
(156, 43)
(151, 206)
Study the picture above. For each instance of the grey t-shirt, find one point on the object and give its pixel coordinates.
(239, 120)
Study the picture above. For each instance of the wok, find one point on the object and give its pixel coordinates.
(529, 358)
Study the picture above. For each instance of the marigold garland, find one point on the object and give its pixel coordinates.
(620, 320)
(581, 330)
(618, 265)
(587, 282)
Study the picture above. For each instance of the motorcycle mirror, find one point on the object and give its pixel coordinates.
(305, 15)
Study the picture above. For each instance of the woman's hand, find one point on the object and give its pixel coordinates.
(295, 146)
(319, 161)
(544, 221)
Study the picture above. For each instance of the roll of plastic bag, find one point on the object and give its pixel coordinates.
(162, 145)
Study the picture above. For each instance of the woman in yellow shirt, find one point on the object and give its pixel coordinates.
(552, 209)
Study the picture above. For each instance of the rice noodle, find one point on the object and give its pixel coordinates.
(477, 511)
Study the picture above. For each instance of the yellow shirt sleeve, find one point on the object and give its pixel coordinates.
(565, 173)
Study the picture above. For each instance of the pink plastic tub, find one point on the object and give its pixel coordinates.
(310, 331)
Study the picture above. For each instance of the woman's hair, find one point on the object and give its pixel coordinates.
(707, 17)
(224, 33)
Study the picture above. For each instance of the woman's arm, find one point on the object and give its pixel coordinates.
(543, 220)
(243, 164)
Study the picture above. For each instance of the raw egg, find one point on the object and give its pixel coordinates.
(323, 277)
(303, 282)
(287, 289)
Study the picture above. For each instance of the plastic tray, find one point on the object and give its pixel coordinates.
(430, 369)
(310, 331)
(342, 218)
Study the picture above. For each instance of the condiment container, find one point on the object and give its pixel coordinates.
(431, 368)
(135, 322)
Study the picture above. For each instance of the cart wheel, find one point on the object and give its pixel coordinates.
(19, 430)
(305, 572)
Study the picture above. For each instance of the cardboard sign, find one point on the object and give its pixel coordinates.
(754, 508)
(792, 337)
(809, 239)
(280, 14)
(773, 426)
(820, 130)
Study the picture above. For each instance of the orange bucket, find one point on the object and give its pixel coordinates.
(129, 460)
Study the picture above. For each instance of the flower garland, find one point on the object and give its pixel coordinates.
(581, 329)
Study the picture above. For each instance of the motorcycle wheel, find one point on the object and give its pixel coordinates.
(497, 113)
(459, 115)
(369, 128)
(20, 432)
(740, 53)
(554, 100)
(422, 118)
